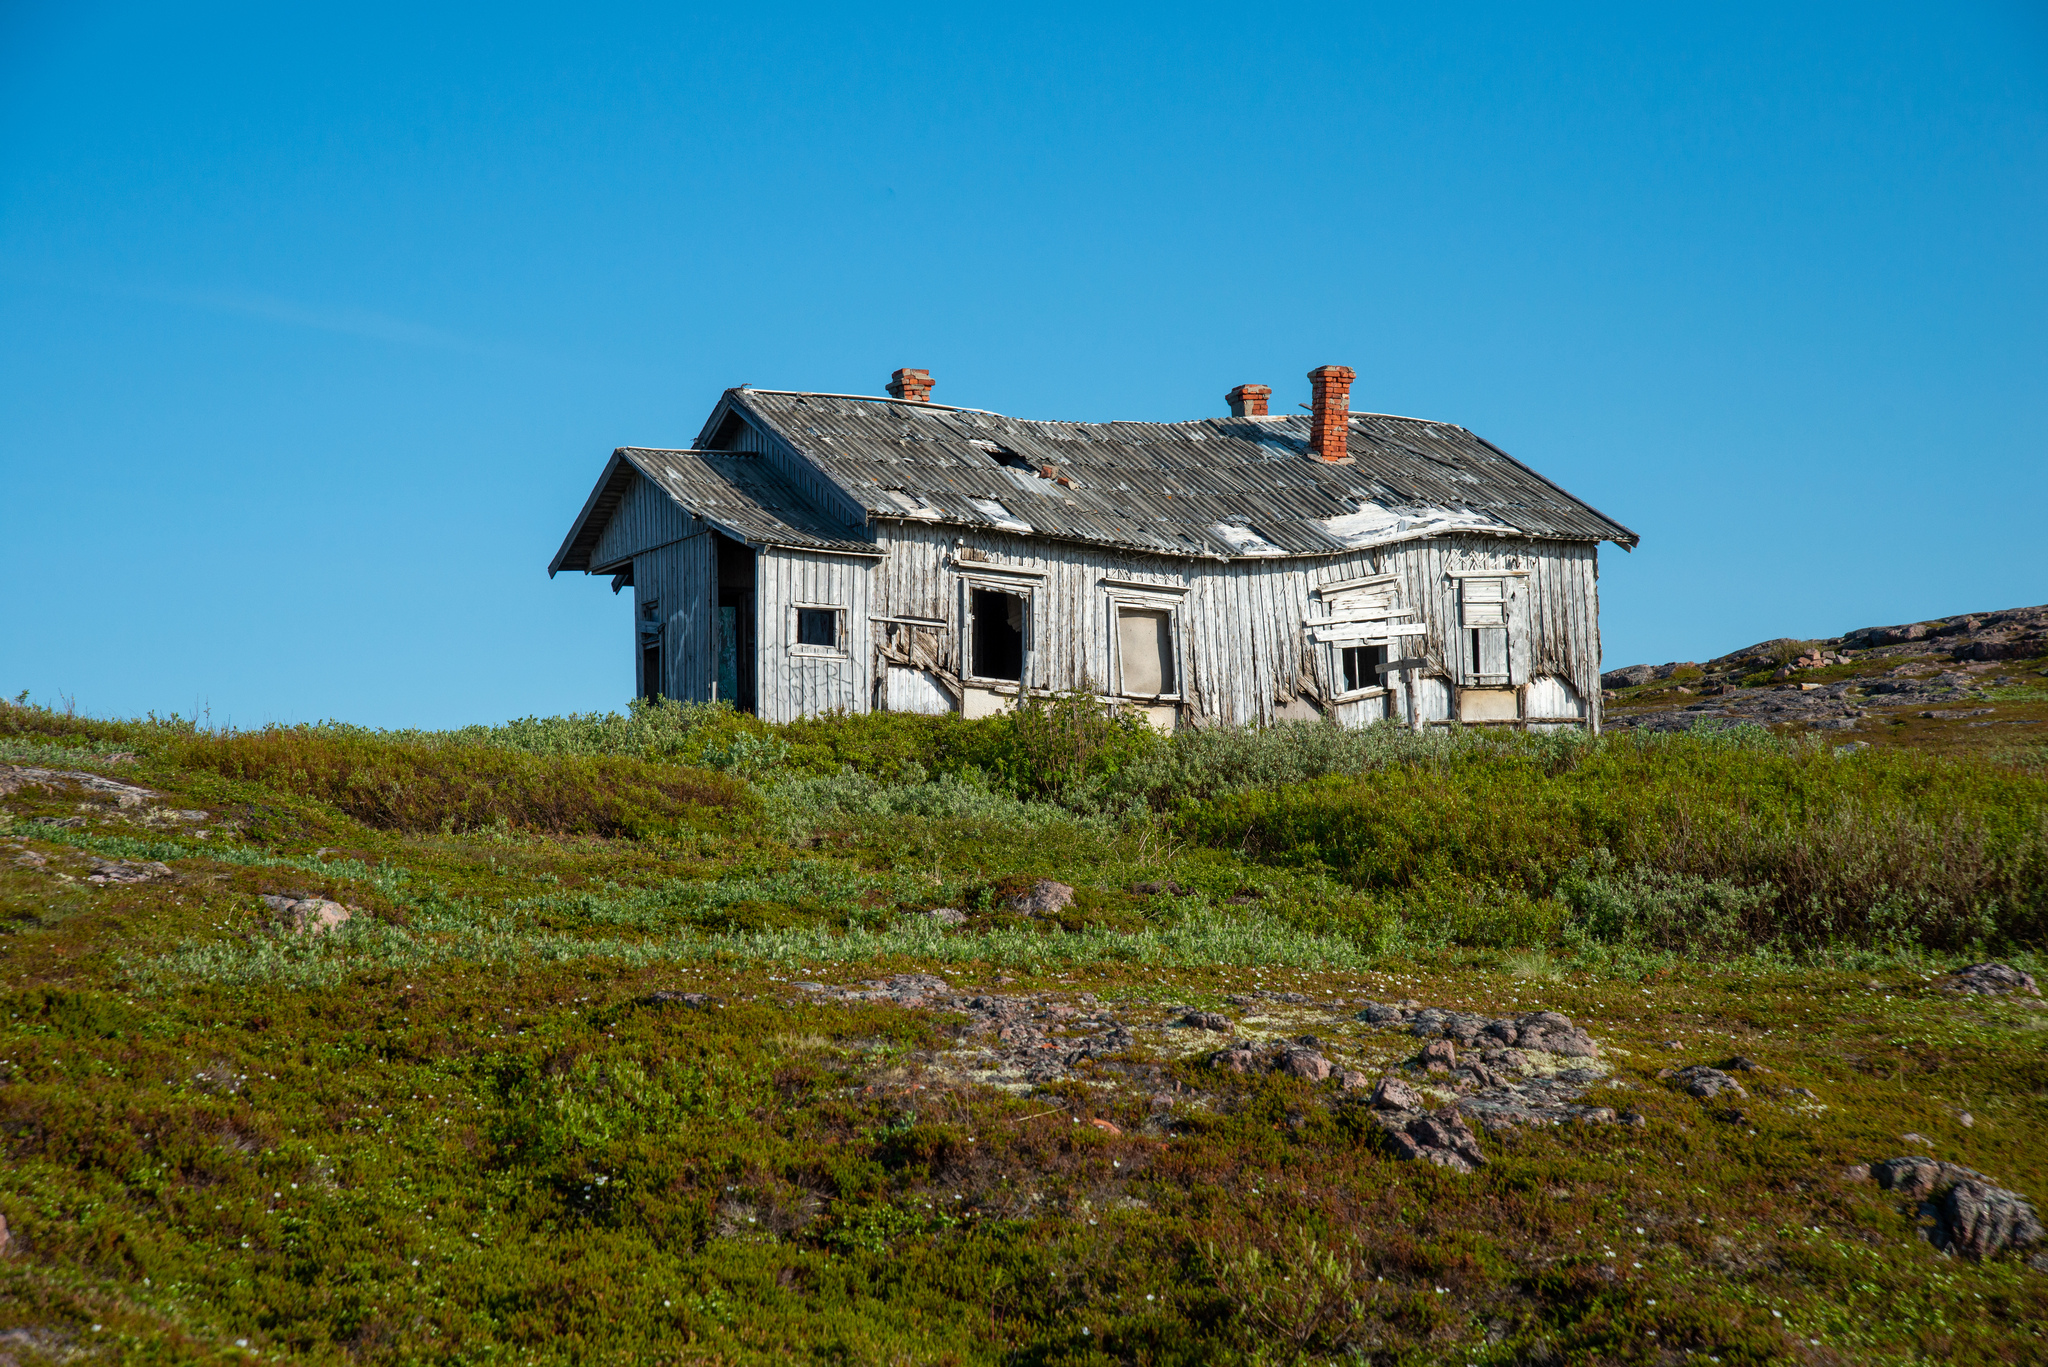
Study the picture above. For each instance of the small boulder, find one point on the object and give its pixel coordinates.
(1395, 1095)
(946, 916)
(1704, 1082)
(1306, 1064)
(1042, 898)
(1206, 1020)
(1238, 1057)
(106, 871)
(1443, 1139)
(689, 1001)
(1554, 1034)
(1994, 980)
(308, 915)
(1439, 1051)
(1979, 1220)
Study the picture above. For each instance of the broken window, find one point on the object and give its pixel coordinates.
(1484, 607)
(1145, 647)
(996, 637)
(818, 627)
(1362, 667)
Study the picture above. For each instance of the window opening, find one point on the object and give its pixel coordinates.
(1484, 605)
(1362, 667)
(817, 627)
(997, 641)
(1145, 646)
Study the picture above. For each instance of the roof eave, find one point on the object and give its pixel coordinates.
(1628, 540)
(564, 556)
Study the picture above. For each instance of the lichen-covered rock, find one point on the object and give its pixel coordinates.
(1206, 1020)
(1306, 1064)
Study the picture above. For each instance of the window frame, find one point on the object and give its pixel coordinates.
(842, 651)
(1021, 583)
(1126, 595)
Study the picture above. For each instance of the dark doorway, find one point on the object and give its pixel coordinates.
(733, 625)
(1362, 667)
(650, 667)
(998, 639)
(651, 638)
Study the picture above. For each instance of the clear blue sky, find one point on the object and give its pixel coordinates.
(320, 320)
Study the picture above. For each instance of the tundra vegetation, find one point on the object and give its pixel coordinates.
(586, 1073)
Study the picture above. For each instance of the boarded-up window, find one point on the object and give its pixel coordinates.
(1483, 604)
(1145, 646)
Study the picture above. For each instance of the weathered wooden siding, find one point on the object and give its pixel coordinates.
(799, 681)
(1242, 648)
(681, 579)
(1242, 654)
(646, 518)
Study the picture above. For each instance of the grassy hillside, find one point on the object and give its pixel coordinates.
(589, 1073)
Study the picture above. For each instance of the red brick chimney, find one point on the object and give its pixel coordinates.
(1249, 400)
(1329, 426)
(914, 385)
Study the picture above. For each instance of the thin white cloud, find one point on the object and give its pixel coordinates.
(349, 322)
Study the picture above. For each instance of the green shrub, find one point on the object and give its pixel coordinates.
(1648, 909)
(410, 786)
(1787, 842)
(1058, 748)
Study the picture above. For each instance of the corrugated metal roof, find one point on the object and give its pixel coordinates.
(1225, 487)
(740, 494)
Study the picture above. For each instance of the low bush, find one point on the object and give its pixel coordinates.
(1681, 842)
(410, 786)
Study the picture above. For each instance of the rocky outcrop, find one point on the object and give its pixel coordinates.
(1938, 661)
(1969, 1214)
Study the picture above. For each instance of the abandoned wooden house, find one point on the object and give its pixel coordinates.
(831, 551)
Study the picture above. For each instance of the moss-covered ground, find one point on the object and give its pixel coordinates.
(461, 1128)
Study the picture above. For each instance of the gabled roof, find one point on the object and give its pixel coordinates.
(739, 494)
(1224, 487)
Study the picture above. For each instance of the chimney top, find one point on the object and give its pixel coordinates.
(1249, 400)
(914, 385)
(1329, 430)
